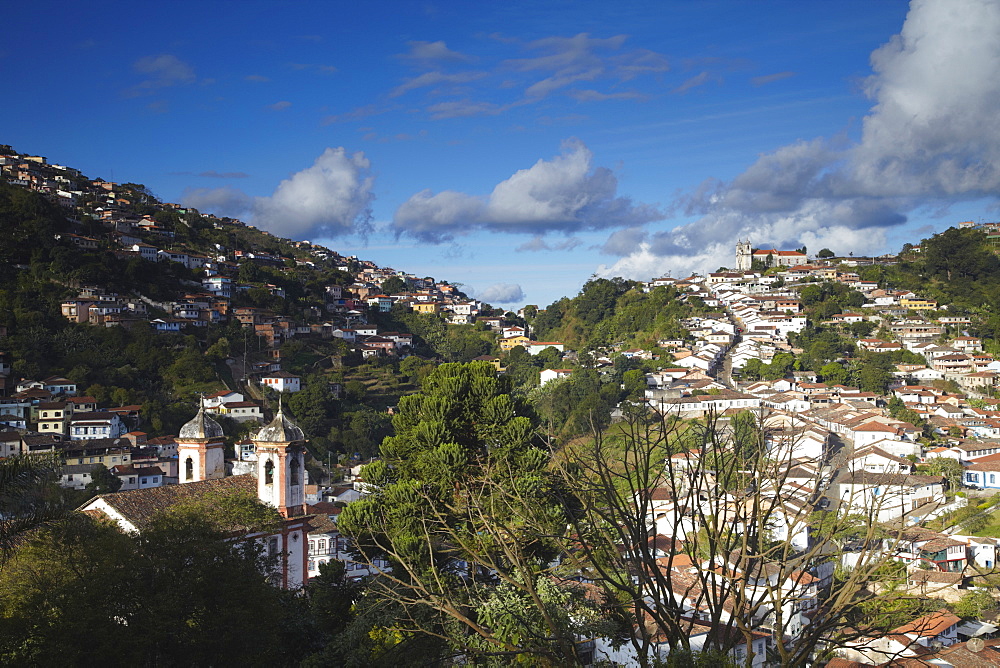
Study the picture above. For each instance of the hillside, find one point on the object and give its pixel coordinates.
(150, 304)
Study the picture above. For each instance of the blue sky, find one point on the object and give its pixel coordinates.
(519, 148)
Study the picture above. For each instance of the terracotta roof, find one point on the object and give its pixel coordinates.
(322, 524)
(139, 506)
(837, 662)
(942, 543)
(875, 426)
(325, 508)
(929, 625)
(936, 577)
(961, 656)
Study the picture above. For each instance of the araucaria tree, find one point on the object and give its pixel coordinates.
(462, 510)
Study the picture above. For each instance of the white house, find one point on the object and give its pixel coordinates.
(138, 478)
(535, 347)
(888, 496)
(982, 475)
(875, 460)
(216, 399)
(282, 381)
(554, 374)
(93, 425)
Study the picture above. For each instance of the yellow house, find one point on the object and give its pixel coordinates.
(495, 361)
(426, 307)
(915, 304)
(513, 341)
(53, 417)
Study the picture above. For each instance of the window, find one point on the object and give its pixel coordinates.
(269, 472)
(189, 469)
(293, 470)
(272, 547)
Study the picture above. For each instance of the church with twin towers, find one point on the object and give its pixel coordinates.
(277, 480)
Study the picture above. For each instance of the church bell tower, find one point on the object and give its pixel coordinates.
(744, 255)
(281, 470)
(201, 453)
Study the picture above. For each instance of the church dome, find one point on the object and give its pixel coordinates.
(201, 427)
(280, 430)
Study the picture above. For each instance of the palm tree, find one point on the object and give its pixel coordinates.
(23, 504)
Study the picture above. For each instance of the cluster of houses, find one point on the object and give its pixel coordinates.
(842, 448)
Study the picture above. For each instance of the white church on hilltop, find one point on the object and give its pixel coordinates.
(278, 480)
(745, 255)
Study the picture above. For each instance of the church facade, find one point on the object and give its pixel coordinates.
(278, 481)
(746, 254)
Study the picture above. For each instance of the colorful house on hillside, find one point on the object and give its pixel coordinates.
(512, 342)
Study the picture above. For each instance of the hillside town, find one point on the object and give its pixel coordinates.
(910, 451)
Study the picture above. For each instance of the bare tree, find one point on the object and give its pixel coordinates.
(725, 520)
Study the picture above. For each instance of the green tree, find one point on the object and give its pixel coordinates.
(313, 406)
(332, 596)
(951, 469)
(102, 481)
(393, 285)
(460, 483)
(824, 253)
(24, 505)
(833, 374)
(190, 595)
(973, 605)
(873, 377)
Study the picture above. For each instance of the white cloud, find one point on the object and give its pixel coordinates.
(931, 136)
(567, 60)
(501, 293)
(538, 243)
(771, 78)
(429, 53)
(565, 194)
(934, 129)
(227, 201)
(553, 64)
(212, 174)
(697, 80)
(330, 198)
(161, 71)
(430, 79)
